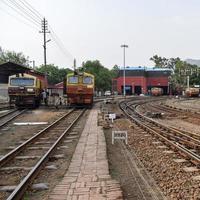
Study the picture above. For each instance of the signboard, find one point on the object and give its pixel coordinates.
(119, 135)
(112, 116)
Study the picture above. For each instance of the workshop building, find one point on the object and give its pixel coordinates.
(140, 80)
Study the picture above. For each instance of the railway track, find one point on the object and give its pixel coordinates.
(9, 116)
(155, 109)
(184, 143)
(5, 105)
(22, 165)
(176, 111)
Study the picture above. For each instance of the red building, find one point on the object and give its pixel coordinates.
(140, 80)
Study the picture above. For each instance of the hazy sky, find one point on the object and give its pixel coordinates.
(95, 29)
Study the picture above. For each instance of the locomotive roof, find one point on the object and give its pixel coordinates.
(82, 73)
(22, 75)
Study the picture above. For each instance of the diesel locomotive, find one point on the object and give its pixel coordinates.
(192, 92)
(156, 91)
(79, 88)
(25, 90)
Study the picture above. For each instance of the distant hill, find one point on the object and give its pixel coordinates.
(193, 62)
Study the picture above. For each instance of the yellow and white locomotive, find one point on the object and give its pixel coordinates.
(25, 90)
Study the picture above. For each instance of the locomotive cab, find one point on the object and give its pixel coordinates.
(80, 89)
(24, 90)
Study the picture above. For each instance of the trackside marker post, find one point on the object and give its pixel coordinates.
(112, 116)
(119, 135)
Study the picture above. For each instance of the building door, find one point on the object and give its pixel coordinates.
(128, 89)
(138, 89)
(165, 90)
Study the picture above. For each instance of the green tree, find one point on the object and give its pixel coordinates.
(103, 76)
(115, 71)
(180, 71)
(12, 56)
(162, 62)
(54, 74)
(159, 61)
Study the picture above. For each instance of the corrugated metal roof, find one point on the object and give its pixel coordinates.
(144, 68)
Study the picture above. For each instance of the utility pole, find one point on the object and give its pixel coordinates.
(45, 31)
(74, 64)
(33, 61)
(188, 82)
(33, 64)
(124, 91)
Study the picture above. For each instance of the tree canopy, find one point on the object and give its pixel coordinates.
(12, 56)
(55, 74)
(103, 76)
(162, 62)
(180, 70)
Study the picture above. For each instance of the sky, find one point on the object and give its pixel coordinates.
(95, 30)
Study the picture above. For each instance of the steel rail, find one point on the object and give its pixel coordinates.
(178, 110)
(5, 107)
(175, 132)
(13, 117)
(18, 193)
(194, 158)
(8, 113)
(194, 135)
(6, 158)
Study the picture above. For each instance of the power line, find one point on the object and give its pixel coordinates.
(21, 8)
(61, 45)
(24, 22)
(24, 16)
(25, 10)
(68, 56)
(28, 12)
(32, 10)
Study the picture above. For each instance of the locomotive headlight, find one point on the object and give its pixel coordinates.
(30, 90)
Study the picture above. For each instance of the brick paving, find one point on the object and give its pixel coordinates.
(88, 176)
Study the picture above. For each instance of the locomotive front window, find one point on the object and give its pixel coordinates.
(22, 82)
(87, 80)
(73, 79)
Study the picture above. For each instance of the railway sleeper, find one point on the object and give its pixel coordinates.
(37, 187)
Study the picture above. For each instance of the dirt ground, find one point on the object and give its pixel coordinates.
(12, 135)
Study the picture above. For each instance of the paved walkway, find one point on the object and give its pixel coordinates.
(88, 175)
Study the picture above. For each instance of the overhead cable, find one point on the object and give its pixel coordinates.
(24, 11)
(61, 45)
(28, 12)
(24, 16)
(31, 9)
(19, 19)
